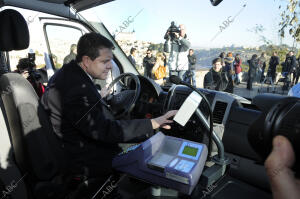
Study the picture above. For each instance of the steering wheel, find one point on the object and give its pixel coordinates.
(124, 102)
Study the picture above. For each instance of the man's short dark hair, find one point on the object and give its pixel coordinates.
(23, 64)
(254, 56)
(216, 60)
(89, 45)
(73, 47)
(191, 50)
(132, 50)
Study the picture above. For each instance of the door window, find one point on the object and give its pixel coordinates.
(62, 41)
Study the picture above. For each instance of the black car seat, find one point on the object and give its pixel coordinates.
(36, 149)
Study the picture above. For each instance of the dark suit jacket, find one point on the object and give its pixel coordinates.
(79, 117)
(132, 60)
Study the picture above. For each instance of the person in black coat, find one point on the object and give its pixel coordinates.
(253, 66)
(192, 65)
(290, 63)
(297, 72)
(262, 63)
(216, 79)
(82, 119)
(148, 63)
(274, 61)
(131, 56)
(228, 68)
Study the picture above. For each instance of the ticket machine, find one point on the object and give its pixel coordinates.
(165, 161)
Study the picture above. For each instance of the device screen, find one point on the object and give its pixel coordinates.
(190, 151)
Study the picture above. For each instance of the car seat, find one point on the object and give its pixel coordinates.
(36, 149)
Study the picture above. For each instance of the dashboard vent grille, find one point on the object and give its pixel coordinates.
(219, 112)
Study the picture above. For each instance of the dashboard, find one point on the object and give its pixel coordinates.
(232, 119)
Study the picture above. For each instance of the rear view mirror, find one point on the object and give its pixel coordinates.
(215, 2)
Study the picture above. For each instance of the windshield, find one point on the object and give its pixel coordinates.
(233, 27)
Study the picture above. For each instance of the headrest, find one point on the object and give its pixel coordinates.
(14, 33)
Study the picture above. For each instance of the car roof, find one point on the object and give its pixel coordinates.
(55, 7)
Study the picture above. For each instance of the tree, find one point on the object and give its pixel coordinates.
(258, 29)
(289, 19)
(157, 47)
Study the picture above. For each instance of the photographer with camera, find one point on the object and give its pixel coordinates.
(26, 67)
(177, 45)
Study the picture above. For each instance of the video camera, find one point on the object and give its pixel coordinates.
(29, 64)
(171, 32)
(279, 116)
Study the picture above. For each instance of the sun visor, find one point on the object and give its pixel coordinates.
(80, 5)
(54, 1)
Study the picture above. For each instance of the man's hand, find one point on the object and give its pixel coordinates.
(163, 121)
(104, 92)
(278, 164)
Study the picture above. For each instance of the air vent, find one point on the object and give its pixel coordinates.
(219, 112)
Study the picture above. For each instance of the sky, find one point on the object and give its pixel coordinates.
(202, 20)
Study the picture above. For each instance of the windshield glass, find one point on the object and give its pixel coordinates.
(233, 27)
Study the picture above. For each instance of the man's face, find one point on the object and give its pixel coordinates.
(149, 53)
(25, 73)
(134, 53)
(217, 66)
(99, 67)
(74, 49)
(191, 52)
(182, 30)
(291, 53)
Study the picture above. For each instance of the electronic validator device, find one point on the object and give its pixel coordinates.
(165, 161)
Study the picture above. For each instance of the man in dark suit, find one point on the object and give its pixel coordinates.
(81, 119)
(131, 56)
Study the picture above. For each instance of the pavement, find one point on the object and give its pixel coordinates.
(258, 88)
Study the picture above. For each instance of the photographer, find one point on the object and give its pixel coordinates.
(27, 69)
(177, 45)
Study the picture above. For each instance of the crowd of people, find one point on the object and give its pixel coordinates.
(181, 60)
(257, 67)
(225, 73)
(229, 73)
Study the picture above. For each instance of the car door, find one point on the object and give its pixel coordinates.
(60, 35)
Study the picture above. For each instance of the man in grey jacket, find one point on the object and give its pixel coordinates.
(178, 47)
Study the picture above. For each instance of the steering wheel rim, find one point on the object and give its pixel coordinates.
(128, 107)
